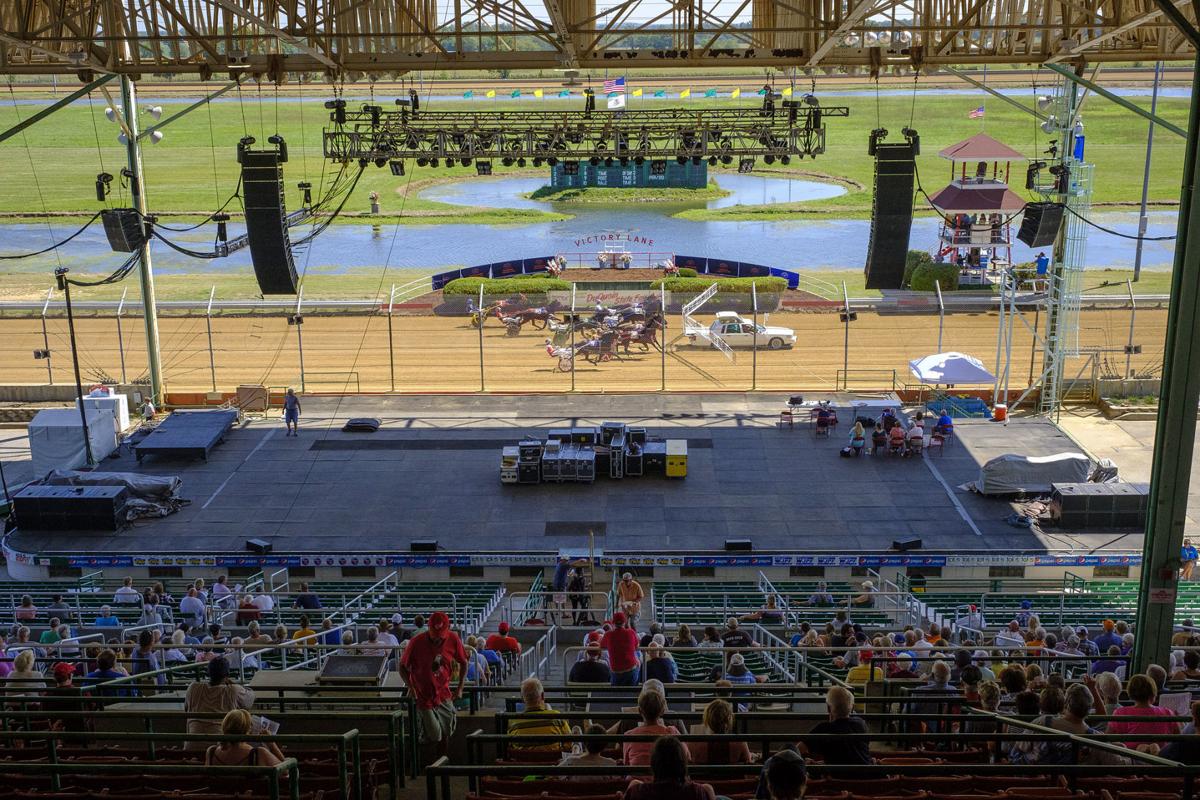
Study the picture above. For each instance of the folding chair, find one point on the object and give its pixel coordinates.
(936, 442)
(786, 418)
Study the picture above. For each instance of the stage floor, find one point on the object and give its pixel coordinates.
(432, 472)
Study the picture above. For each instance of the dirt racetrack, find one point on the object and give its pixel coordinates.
(349, 352)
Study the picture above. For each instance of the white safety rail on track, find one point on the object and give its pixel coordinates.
(694, 328)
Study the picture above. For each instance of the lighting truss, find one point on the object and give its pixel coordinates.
(371, 134)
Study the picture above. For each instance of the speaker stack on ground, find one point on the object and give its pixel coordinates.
(1040, 224)
(70, 508)
(266, 218)
(891, 213)
(1094, 506)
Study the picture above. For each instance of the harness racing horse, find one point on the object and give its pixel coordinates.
(539, 318)
(645, 335)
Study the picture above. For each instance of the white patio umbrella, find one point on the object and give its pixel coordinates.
(950, 368)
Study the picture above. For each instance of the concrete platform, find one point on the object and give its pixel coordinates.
(432, 471)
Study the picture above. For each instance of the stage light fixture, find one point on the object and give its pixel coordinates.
(363, 162)
(681, 160)
(111, 113)
(154, 111)
(639, 160)
(103, 185)
(712, 161)
(506, 161)
(785, 159)
(769, 159)
(433, 162)
(483, 168)
(521, 161)
(595, 162)
(570, 167)
(1044, 102)
(422, 162)
(726, 159)
(306, 187)
(745, 165)
(381, 162)
(624, 161)
(466, 162)
(397, 167)
(658, 167)
(608, 162)
(696, 160)
(552, 161)
(155, 137)
(537, 162)
(122, 138)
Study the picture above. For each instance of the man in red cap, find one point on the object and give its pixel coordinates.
(64, 696)
(507, 646)
(425, 667)
(621, 643)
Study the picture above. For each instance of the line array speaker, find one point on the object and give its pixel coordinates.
(738, 545)
(891, 215)
(124, 229)
(1040, 224)
(266, 220)
(70, 508)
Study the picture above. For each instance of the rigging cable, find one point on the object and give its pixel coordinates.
(54, 246)
(33, 171)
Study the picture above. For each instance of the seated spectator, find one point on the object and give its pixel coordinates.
(328, 634)
(938, 686)
(24, 680)
(502, 643)
(738, 672)
(858, 438)
(1077, 705)
(1034, 677)
(192, 610)
(238, 722)
(222, 595)
(669, 767)
(1111, 663)
(648, 637)
(219, 694)
(734, 636)
(1052, 699)
(784, 777)
(659, 664)
(126, 594)
(840, 704)
(711, 638)
(264, 602)
(50, 635)
(896, 439)
(177, 654)
(970, 678)
(944, 425)
(916, 436)
(718, 719)
(820, 597)
(879, 438)
(548, 721)
(26, 611)
(477, 665)
(1190, 671)
(63, 700)
(1142, 691)
(651, 708)
(145, 658)
(305, 634)
(347, 648)
(247, 611)
(107, 670)
(591, 669)
(106, 619)
(1186, 751)
(60, 609)
(592, 756)
(307, 599)
(254, 635)
(866, 598)
(683, 637)
(769, 614)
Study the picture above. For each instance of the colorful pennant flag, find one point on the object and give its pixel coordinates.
(736, 93)
(565, 93)
(710, 92)
(468, 94)
(762, 92)
(491, 92)
(538, 93)
(661, 93)
(787, 92)
(685, 94)
(515, 93)
(611, 95)
(636, 92)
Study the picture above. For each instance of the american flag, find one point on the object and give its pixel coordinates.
(614, 85)
(976, 113)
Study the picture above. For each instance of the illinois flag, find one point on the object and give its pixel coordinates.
(616, 101)
(538, 93)
(736, 93)
(636, 93)
(685, 94)
(491, 93)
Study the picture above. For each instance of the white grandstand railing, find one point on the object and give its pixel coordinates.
(535, 661)
(788, 664)
(896, 605)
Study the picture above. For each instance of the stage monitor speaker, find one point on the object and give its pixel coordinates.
(259, 546)
(891, 215)
(266, 221)
(1040, 224)
(738, 545)
(423, 546)
(904, 545)
(124, 229)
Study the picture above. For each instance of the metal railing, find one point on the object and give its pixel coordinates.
(875, 379)
(520, 607)
(721, 604)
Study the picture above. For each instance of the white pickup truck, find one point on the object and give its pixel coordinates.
(737, 331)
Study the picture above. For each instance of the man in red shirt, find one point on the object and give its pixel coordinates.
(502, 643)
(425, 668)
(621, 643)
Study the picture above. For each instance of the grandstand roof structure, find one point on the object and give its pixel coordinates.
(385, 36)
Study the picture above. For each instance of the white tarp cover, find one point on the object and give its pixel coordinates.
(1011, 473)
(146, 487)
(56, 438)
(945, 368)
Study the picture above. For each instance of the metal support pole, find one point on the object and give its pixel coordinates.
(481, 318)
(937, 285)
(1132, 320)
(121, 335)
(298, 320)
(61, 274)
(1011, 280)
(999, 345)
(662, 367)
(46, 336)
(1142, 221)
(1074, 77)
(846, 342)
(212, 359)
(754, 354)
(137, 190)
(1033, 342)
(391, 342)
(572, 336)
(1175, 431)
